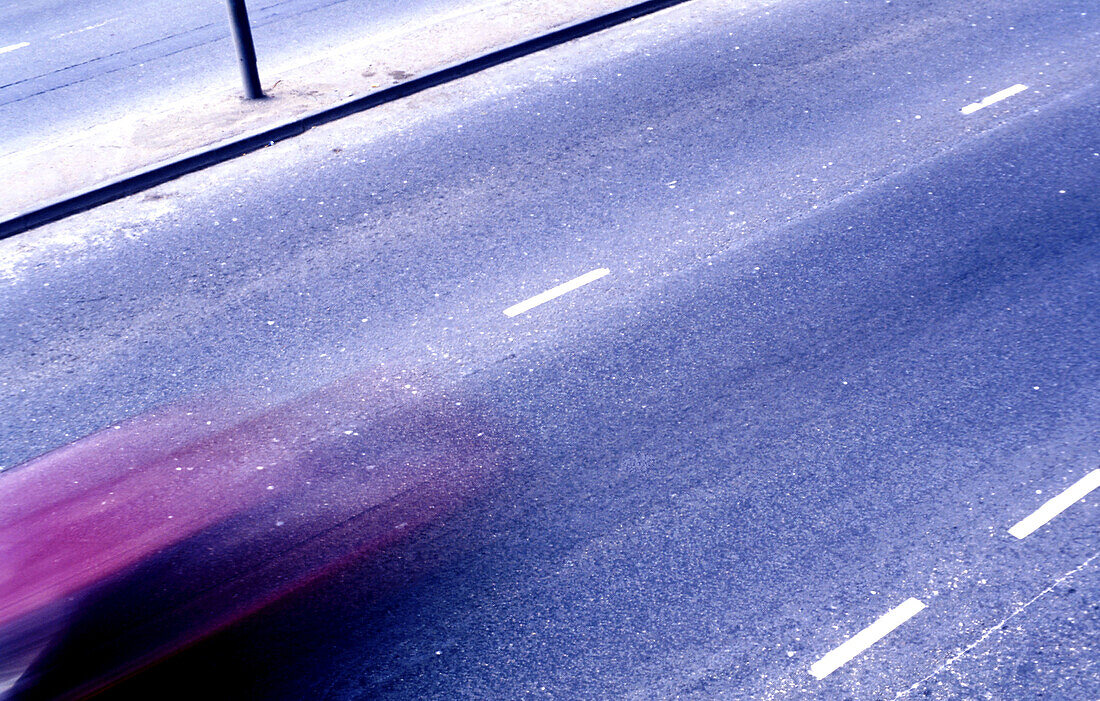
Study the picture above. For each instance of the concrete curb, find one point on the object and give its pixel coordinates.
(238, 146)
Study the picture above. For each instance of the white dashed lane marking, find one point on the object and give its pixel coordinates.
(13, 47)
(554, 292)
(853, 646)
(994, 98)
(85, 29)
(1056, 505)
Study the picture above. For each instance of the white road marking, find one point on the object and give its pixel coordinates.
(85, 29)
(554, 292)
(853, 646)
(13, 47)
(1056, 505)
(995, 97)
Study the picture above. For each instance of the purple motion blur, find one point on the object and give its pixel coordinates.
(185, 520)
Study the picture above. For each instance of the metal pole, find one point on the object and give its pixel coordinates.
(246, 50)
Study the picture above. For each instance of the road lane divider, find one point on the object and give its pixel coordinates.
(85, 29)
(1056, 505)
(994, 98)
(855, 645)
(13, 47)
(554, 292)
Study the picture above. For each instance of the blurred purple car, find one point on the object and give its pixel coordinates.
(175, 524)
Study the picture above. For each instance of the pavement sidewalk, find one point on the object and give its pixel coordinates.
(71, 163)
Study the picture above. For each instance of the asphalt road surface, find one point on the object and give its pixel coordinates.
(835, 334)
(66, 65)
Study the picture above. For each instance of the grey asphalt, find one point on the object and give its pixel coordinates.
(90, 62)
(849, 337)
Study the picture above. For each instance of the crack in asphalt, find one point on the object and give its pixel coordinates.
(997, 627)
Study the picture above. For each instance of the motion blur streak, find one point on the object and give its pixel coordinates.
(154, 533)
